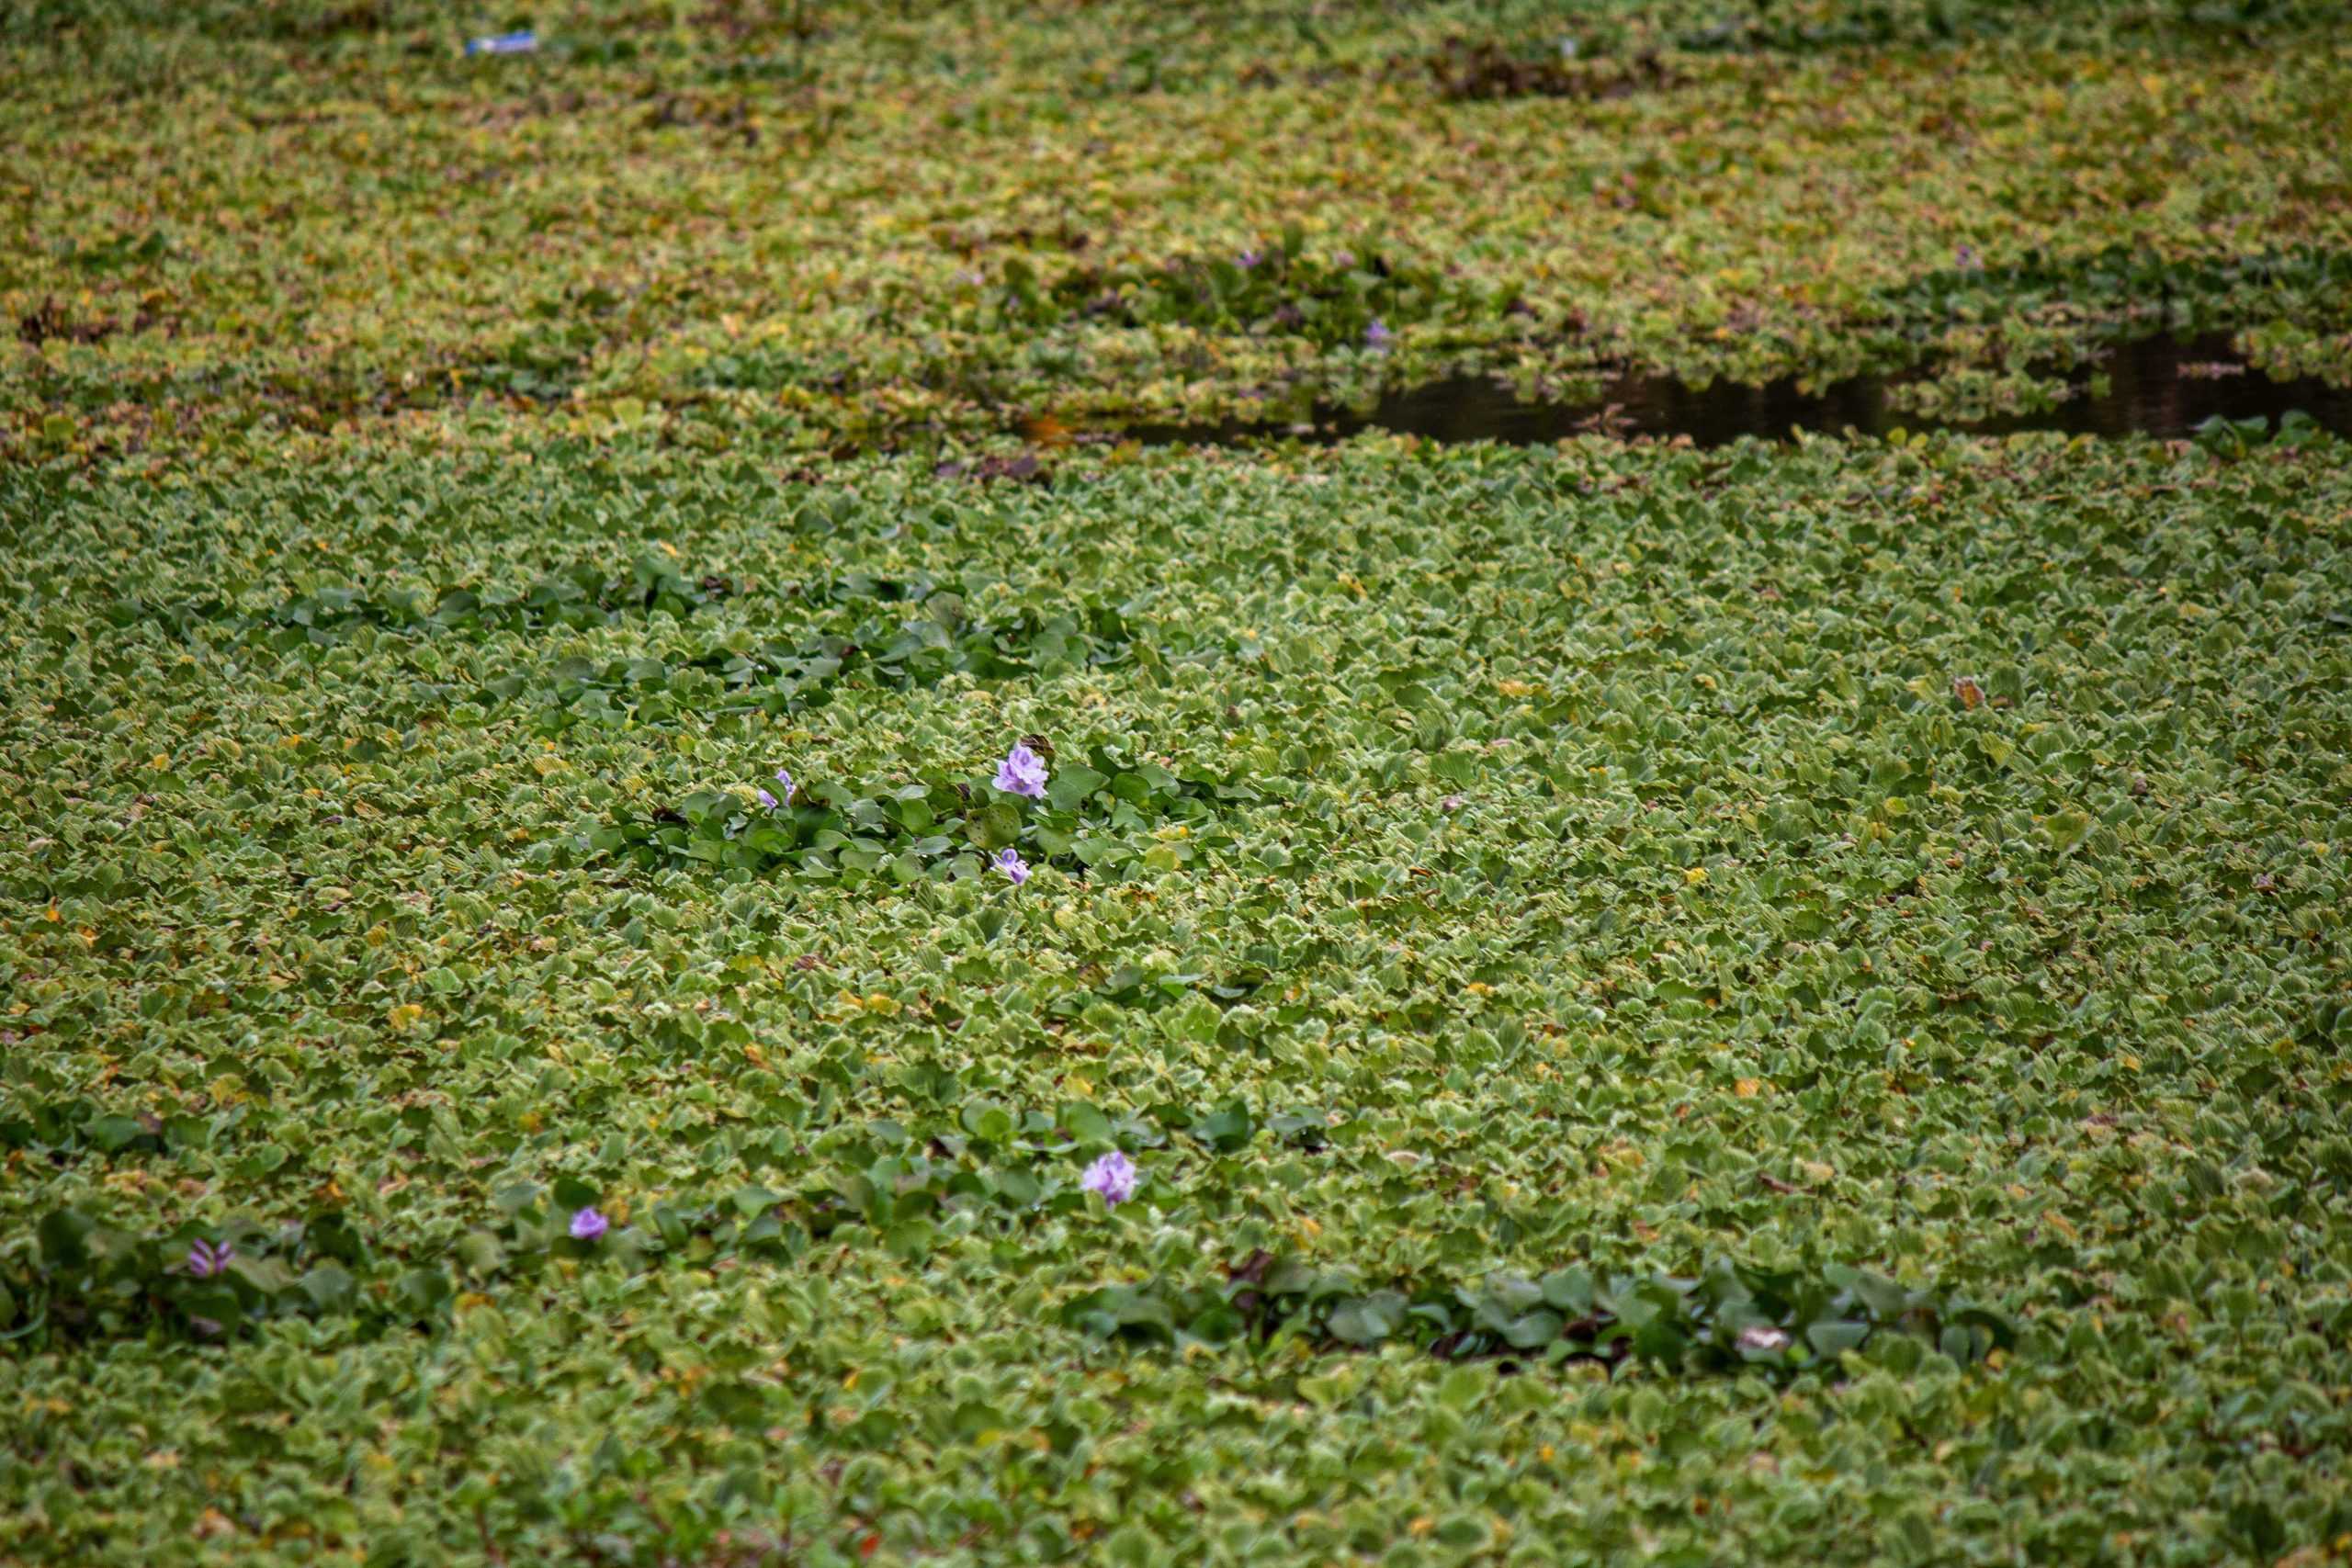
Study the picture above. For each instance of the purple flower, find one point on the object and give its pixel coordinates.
(203, 1259)
(1023, 772)
(1008, 861)
(1451, 803)
(786, 780)
(766, 799)
(1247, 260)
(1965, 258)
(1113, 1175)
(588, 1224)
(1377, 337)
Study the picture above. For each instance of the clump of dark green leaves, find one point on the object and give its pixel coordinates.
(1098, 818)
(1331, 298)
(586, 596)
(90, 1279)
(878, 1182)
(1724, 1318)
(1728, 1317)
(2196, 292)
(916, 637)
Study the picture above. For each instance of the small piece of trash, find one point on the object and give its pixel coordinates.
(504, 43)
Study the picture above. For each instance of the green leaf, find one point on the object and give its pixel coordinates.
(1367, 1320)
(987, 1121)
(1086, 1123)
(1071, 787)
(113, 1134)
(480, 1253)
(572, 1194)
(2067, 829)
(753, 1200)
(1534, 1331)
(513, 1198)
(330, 1288)
(1569, 1289)
(1836, 1337)
(1464, 1388)
(64, 1237)
(994, 827)
(1228, 1130)
(911, 1239)
(422, 1290)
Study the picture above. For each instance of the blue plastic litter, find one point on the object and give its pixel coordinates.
(504, 43)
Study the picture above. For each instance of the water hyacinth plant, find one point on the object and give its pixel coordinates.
(1023, 772)
(207, 1258)
(1112, 1177)
(1906, 873)
(1287, 974)
(1111, 814)
(768, 800)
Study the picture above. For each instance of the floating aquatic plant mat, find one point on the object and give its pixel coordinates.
(1482, 997)
(837, 225)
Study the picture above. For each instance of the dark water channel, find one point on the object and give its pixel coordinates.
(2161, 386)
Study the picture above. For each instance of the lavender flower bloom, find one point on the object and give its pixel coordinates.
(786, 780)
(1377, 337)
(588, 1224)
(1008, 861)
(1247, 260)
(205, 1259)
(1113, 1175)
(1023, 772)
(767, 800)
